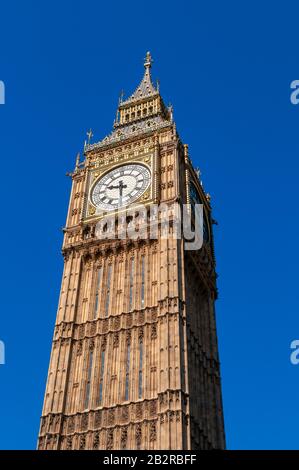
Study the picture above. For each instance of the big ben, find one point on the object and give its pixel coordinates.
(134, 361)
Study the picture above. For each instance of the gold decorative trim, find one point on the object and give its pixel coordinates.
(91, 210)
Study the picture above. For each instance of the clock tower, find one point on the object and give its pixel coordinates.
(134, 361)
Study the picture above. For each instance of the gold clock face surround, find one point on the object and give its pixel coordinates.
(120, 186)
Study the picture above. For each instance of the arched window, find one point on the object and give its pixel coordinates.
(101, 377)
(108, 290)
(98, 290)
(131, 284)
(88, 382)
(140, 368)
(142, 280)
(127, 371)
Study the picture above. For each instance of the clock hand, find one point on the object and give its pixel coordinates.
(120, 186)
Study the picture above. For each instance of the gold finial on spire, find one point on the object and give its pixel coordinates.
(148, 60)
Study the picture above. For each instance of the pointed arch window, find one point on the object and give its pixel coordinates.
(88, 382)
(140, 367)
(142, 280)
(131, 283)
(127, 371)
(101, 377)
(108, 290)
(98, 286)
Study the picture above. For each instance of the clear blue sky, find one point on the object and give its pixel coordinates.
(226, 67)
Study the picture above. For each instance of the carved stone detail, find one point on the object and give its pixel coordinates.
(138, 436)
(97, 419)
(153, 432)
(124, 438)
(82, 442)
(96, 441)
(110, 438)
(69, 443)
(154, 332)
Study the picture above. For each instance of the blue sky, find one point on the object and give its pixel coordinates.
(226, 67)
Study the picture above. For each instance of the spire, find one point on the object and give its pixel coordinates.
(142, 113)
(145, 88)
(148, 60)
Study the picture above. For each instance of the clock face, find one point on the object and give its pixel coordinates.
(195, 199)
(120, 186)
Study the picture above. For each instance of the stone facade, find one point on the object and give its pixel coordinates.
(132, 371)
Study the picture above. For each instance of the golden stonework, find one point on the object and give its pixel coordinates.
(134, 313)
(145, 196)
(91, 210)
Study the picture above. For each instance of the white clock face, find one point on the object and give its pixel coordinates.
(120, 187)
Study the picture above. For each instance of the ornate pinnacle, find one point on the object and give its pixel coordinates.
(77, 160)
(89, 135)
(148, 60)
(121, 96)
(198, 172)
